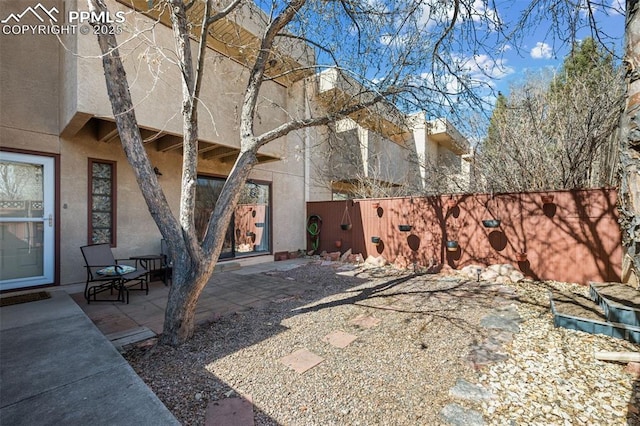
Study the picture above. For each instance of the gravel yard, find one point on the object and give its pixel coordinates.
(427, 340)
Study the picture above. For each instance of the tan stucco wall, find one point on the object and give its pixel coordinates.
(448, 159)
(156, 86)
(136, 230)
(29, 90)
(395, 163)
(354, 152)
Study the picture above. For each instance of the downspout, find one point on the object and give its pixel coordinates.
(306, 144)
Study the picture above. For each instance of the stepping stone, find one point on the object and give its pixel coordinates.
(466, 390)
(229, 412)
(301, 360)
(455, 414)
(500, 323)
(480, 357)
(365, 321)
(339, 339)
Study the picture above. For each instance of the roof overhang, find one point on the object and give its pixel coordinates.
(337, 92)
(234, 37)
(444, 133)
(106, 132)
(350, 186)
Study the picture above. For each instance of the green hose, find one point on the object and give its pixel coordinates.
(313, 228)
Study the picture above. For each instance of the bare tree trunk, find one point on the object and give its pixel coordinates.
(187, 283)
(125, 118)
(630, 152)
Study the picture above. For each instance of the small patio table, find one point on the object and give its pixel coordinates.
(154, 264)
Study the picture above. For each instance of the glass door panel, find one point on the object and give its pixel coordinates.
(207, 193)
(26, 220)
(249, 230)
(252, 219)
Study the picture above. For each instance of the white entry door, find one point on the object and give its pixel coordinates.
(26, 220)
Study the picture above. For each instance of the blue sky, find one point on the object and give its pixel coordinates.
(538, 49)
(485, 48)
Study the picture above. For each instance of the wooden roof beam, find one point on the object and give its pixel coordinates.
(219, 152)
(168, 142)
(106, 131)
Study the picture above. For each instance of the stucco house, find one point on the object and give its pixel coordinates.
(381, 151)
(64, 179)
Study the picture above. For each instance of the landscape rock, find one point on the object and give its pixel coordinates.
(502, 279)
(500, 323)
(516, 276)
(471, 271)
(375, 262)
(495, 268)
(489, 275)
(446, 269)
(333, 257)
(345, 256)
(506, 269)
(633, 368)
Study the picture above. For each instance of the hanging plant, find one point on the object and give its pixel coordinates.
(452, 245)
(405, 227)
(547, 198)
(491, 223)
(494, 222)
(345, 225)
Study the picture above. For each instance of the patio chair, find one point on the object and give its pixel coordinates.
(105, 273)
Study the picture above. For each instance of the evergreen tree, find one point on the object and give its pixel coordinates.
(497, 116)
(586, 64)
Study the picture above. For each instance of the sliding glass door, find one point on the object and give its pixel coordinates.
(207, 193)
(250, 229)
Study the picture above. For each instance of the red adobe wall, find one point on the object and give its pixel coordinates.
(574, 238)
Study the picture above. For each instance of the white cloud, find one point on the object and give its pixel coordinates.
(480, 11)
(485, 68)
(541, 51)
(393, 40)
(433, 12)
(480, 71)
(618, 7)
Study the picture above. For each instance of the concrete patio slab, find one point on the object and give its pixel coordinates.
(301, 360)
(58, 368)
